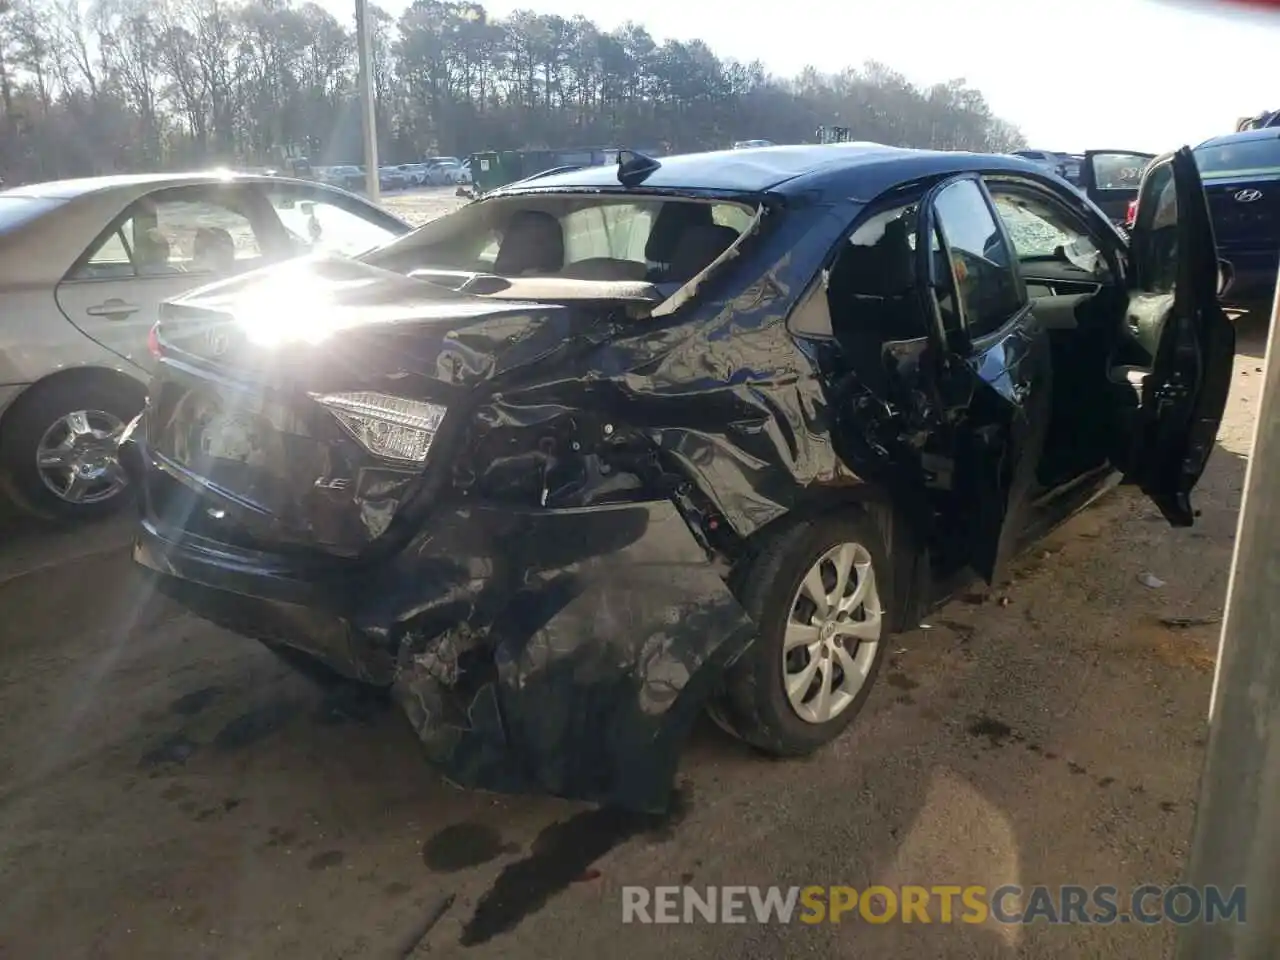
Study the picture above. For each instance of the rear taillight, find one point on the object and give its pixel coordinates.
(1131, 215)
(389, 427)
(153, 341)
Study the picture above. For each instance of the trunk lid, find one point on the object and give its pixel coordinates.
(259, 414)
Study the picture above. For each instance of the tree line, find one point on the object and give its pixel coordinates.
(119, 85)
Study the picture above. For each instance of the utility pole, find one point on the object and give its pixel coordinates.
(1237, 829)
(368, 100)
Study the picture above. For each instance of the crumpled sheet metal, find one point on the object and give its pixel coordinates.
(569, 649)
(585, 657)
(580, 675)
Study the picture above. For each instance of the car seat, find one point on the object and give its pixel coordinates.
(673, 221)
(533, 242)
(697, 248)
(214, 250)
(870, 288)
(152, 252)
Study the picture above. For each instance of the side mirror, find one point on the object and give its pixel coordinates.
(1226, 276)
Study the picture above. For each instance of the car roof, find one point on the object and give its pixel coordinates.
(137, 182)
(1244, 136)
(858, 169)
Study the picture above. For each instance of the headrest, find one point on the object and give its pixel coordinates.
(532, 242)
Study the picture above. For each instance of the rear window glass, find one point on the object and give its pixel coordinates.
(15, 211)
(1239, 159)
(575, 237)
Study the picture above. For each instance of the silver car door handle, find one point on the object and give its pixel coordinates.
(111, 309)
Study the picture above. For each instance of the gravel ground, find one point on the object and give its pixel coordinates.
(169, 789)
(419, 206)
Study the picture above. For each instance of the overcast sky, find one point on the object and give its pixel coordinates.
(1073, 74)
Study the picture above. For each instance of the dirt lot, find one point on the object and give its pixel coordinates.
(168, 789)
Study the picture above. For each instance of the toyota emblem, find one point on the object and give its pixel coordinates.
(1248, 196)
(216, 342)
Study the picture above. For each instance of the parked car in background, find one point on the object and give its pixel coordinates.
(1050, 160)
(84, 267)
(443, 171)
(751, 144)
(1241, 173)
(392, 178)
(415, 173)
(1071, 165)
(554, 469)
(346, 176)
(1111, 178)
(1268, 118)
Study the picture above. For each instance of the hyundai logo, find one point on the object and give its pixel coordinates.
(1248, 196)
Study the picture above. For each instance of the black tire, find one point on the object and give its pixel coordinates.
(754, 705)
(26, 422)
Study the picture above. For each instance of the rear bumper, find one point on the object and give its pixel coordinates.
(565, 651)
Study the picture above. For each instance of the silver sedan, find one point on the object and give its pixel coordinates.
(84, 267)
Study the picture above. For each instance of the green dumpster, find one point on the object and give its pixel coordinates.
(488, 172)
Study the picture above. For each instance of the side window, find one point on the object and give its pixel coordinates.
(174, 235)
(1118, 171)
(318, 224)
(111, 261)
(981, 264)
(195, 236)
(1044, 233)
(871, 283)
(947, 294)
(1155, 235)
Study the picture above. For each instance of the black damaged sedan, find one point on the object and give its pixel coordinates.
(609, 447)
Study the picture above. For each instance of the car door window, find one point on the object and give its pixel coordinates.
(112, 260)
(172, 236)
(1042, 232)
(981, 264)
(1118, 171)
(871, 283)
(322, 224)
(202, 237)
(1156, 245)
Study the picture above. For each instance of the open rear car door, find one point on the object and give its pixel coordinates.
(992, 392)
(1174, 317)
(1110, 178)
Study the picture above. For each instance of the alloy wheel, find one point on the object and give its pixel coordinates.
(832, 633)
(77, 457)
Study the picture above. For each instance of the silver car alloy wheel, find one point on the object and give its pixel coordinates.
(833, 630)
(77, 457)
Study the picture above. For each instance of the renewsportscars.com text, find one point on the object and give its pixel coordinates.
(1147, 904)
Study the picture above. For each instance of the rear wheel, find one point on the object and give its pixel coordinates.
(819, 594)
(58, 447)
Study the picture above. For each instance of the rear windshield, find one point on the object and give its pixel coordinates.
(575, 236)
(15, 211)
(1242, 159)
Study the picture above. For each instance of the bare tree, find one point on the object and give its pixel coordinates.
(89, 85)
